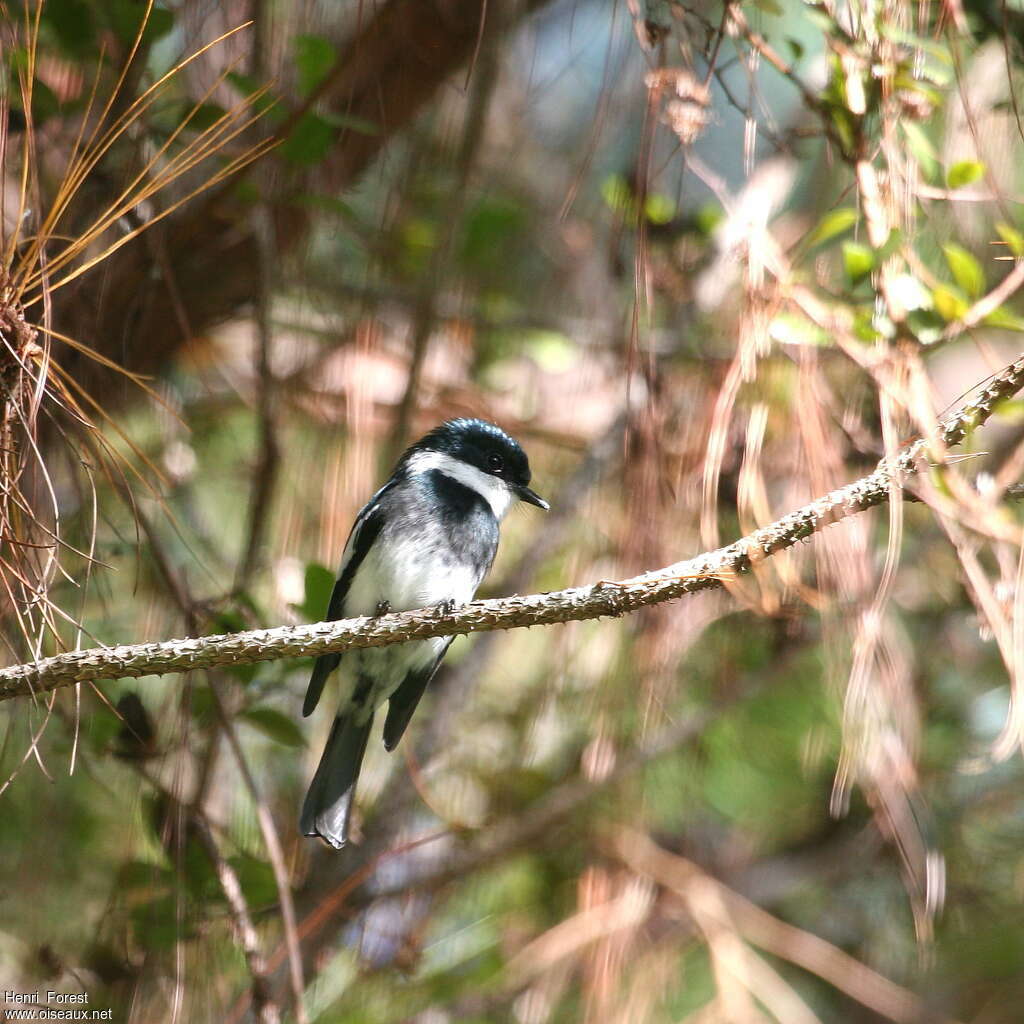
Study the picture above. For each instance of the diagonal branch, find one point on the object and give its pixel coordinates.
(604, 598)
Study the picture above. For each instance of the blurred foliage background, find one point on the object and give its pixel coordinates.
(706, 262)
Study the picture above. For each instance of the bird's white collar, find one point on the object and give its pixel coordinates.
(492, 489)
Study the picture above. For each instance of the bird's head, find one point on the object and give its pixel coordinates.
(479, 455)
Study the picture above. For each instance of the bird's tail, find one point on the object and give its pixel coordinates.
(328, 804)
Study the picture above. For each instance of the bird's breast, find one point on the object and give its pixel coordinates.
(411, 571)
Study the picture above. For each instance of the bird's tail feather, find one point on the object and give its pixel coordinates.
(328, 804)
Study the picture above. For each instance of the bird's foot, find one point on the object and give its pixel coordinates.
(383, 607)
(445, 608)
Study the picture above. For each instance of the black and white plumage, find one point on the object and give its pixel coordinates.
(426, 538)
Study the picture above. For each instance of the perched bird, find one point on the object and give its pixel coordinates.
(426, 538)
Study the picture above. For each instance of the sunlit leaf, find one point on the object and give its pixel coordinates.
(1012, 237)
(949, 303)
(921, 148)
(659, 209)
(965, 268)
(858, 261)
(1003, 318)
(552, 351)
(834, 223)
(792, 329)
(964, 173)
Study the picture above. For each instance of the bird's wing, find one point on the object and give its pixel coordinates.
(403, 701)
(364, 532)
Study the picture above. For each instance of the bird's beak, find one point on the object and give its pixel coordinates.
(525, 494)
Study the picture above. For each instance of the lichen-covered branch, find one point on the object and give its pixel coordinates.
(597, 600)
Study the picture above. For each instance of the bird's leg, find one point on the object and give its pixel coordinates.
(383, 607)
(446, 607)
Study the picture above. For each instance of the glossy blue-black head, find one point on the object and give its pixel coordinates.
(485, 447)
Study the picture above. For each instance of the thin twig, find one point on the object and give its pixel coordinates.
(266, 1010)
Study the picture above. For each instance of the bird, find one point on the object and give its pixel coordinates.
(427, 538)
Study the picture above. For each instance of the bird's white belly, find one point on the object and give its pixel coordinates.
(406, 575)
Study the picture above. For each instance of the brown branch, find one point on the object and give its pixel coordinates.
(604, 598)
(799, 947)
(265, 1009)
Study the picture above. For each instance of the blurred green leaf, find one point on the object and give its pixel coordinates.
(309, 141)
(617, 194)
(792, 329)
(834, 223)
(275, 725)
(257, 880)
(921, 148)
(552, 351)
(125, 17)
(1012, 237)
(1005, 319)
(314, 58)
(659, 209)
(965, 268)
(205, 116)
(73, 24)
(493, 226)
(319, 585)
(350, 123)
(708, 217)
(858, 261)
(950, 304)
(964, 173)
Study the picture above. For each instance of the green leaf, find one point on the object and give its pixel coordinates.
(272, 723)
(1012, 237)
(708, 217)
(791, 329)
(618, 196)
(921, 148)
(1002, 317)
(964, 173)
(73, 25)
(551, 350)
(659, 209)
(314, 58)
(351, 123)
(858, 261)
(966, 270)
(126, 19)
(495, 226)
(205, 116)
(309, 141)
(889, 246)
(950, 304)
(926, 324)
(256, 878)
(319, 582)
(834, 223)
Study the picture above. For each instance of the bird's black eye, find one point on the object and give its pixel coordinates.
(495, 463)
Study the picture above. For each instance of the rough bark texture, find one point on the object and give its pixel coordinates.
(600, 599)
